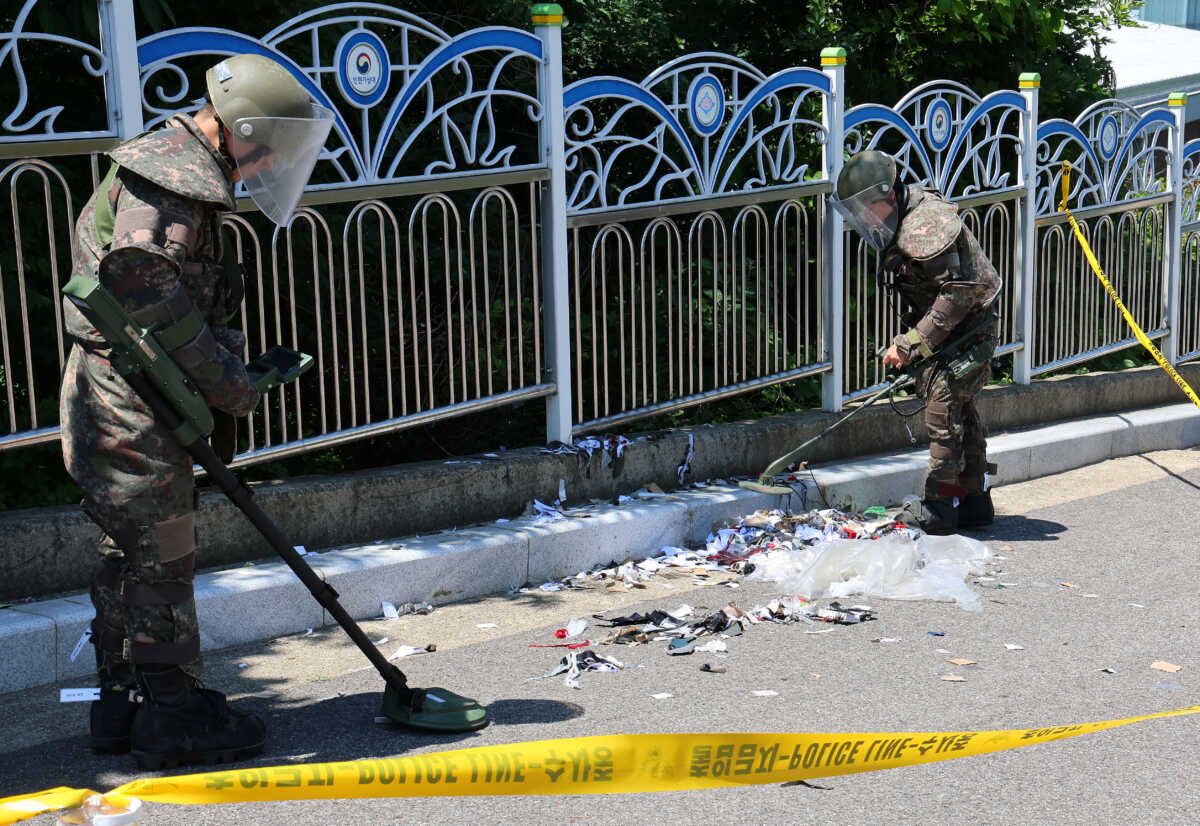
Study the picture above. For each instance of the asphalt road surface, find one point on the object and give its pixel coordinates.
(1123, 532)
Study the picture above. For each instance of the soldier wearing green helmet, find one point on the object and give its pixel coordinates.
(151, 234)
(945, 286)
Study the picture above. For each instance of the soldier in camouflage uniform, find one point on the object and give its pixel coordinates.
(947, 287)
(151, 235)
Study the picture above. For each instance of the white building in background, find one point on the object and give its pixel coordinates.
(1161, 57)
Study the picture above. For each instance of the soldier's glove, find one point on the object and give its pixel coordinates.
(893, 259)
(224, 435)
(232, 340)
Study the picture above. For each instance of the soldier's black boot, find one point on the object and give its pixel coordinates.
(940, 516)
(180, 722)
(976, 510)
(112, 718)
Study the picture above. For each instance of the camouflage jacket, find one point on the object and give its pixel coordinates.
(940, 272)
(168, 199)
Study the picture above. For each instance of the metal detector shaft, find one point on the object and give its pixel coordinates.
(241, 496)
(786, 459)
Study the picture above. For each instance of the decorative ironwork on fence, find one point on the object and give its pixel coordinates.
(476, 235)
(692, 201)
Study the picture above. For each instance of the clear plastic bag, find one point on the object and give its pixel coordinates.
(894, 567)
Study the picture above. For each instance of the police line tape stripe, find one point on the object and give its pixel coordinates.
(1108, 287)
(581, 765)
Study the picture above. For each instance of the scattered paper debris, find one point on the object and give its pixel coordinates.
(308, 632)
(1136, 605)
(888, 639)
(942, 650)
(766, 692)
(712, 647)
(486, 625)
(78, 695)
(1170, 668)
(1068, 585)
(409, 650)
(1109, 670)
(1091, 596)
(300, 549)
(389, 611)
(1012, 646)
(379, 641)
(937, 633)
(662, 695)
(242, 665)
(952, 678)
(961, 661)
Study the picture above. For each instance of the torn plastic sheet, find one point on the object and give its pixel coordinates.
(892, 567)
(576, 662)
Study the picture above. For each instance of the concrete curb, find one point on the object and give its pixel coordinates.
(266, 600)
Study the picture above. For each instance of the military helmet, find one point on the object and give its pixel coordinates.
(870, 169)
(276, 131)
(252, 86)
(866, 180)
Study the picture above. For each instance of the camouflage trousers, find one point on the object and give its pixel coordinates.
(138, 487)
(957, 437)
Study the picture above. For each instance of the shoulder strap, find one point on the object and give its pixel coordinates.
(102, 212)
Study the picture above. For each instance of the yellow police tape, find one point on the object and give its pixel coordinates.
(1137, 331)
(613, 764)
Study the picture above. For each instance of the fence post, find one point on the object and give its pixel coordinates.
(833, 66)
(123, 88)
(1173, 230)
(547, 23)
(1026, 264)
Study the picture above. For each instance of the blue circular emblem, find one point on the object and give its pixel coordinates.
(706, 104)
(363, 69)
(938, 123)
(1108, 136)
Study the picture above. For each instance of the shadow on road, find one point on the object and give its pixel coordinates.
(1172, 473)
(524, 712)
(1017, 528)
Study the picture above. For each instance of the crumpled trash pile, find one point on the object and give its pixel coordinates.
(822, 554)
(828, 553)
(682, 629)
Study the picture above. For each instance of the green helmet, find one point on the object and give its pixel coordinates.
(867, 170)
(276, 131)
(252, 86)
(865, 197)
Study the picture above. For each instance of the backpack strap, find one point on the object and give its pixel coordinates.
(102, 212)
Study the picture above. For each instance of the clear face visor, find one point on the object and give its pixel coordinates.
(875, 219)
(275, 156)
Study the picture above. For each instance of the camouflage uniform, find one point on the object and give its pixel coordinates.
(947, 285)
(168, 198)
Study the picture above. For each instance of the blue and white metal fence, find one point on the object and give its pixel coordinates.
(476, 235)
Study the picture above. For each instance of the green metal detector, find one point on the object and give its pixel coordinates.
(179, 406)
(763, 483)
(959, 363)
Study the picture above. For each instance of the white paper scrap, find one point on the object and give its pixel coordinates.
(1012, 646)
(486, 625)
(661, 696)
(406, 651)
(764, 693)
(78, 695)
(576, 627)
(389, 611)
(300, 549)
(87, 635)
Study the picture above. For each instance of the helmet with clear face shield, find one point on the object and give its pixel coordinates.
(277, 131)
(866, 197)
